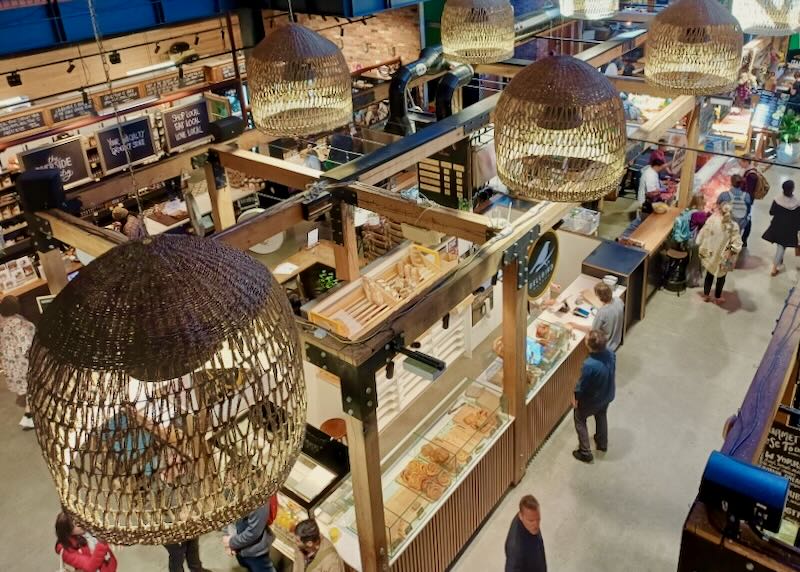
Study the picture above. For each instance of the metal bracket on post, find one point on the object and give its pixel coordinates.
(42, 233)
(357, 383)
(519, 251)
(219, 171)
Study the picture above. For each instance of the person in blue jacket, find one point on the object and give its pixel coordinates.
(593, 393)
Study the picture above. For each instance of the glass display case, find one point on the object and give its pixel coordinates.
(548, 345)
(429, 465)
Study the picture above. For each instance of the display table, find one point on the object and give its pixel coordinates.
(160, 225)
(322, 253)
(651, 236)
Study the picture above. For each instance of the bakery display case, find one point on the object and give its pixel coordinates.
(548, 345)
(423, 472)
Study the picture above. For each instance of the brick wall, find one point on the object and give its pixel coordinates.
(386, 36)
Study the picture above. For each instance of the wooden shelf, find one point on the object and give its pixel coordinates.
(13, 217)
(12, 250)
(12, 231)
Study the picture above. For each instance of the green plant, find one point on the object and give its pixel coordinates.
(326, 281)
(790, 127)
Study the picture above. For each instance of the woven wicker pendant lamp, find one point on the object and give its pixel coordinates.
(694, 47)
(478, 31)
(588, 9)
(299, 82)
(767, 17)
(168, 390)
(560, 132)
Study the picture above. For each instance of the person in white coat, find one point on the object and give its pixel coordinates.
(719, 244)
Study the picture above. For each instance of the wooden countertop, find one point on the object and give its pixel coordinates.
(655, 229)
(322, 252)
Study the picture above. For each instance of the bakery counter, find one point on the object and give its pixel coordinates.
(429, 482)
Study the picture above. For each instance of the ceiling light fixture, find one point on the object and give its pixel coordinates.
(478, 31)
(14, 79)
(196, 39)
(767, 17)
(70, 67)
(114, 57)
(588, 9)
(158, 48)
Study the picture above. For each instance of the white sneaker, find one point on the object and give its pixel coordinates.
(26, 422)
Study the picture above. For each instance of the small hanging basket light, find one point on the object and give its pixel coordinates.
(694, 47)
(167, 388)
(560, 132)
(299, 83)
(588, 9)
(767, 17)
(478, 31)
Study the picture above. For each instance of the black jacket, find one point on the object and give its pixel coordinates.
(784, 225)
(524, 551)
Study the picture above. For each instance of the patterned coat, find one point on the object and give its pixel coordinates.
(16, 336)
(719, 244)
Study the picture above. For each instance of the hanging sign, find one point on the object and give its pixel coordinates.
(542, 259)
(67, 155)
(107, 100)
(135, 136)
(22, 123)
(186, 124)
(72, 110)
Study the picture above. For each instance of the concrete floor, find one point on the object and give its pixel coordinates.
(682, 371)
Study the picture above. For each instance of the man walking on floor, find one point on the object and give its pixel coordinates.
(524, 544)
(593, 393)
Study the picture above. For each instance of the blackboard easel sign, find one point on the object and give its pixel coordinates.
(186, 125)
(135, 135)
(782, 456)
(67, 155)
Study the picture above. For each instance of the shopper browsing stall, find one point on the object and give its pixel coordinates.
(594, 392)
(741, 206)
(16, 336)
(130, 225)
(314, 552)
(524, 544)
(785, 224)
(80, 550)
(610, 316)
(719, 244)
(252, 540)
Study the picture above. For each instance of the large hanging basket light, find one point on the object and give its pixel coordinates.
(299, 82)
(588, 9)
(478, 31)
(767, 17)
(560, 132)
(694, 47)
(167, 388)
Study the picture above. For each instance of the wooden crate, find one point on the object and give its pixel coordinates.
(352, 312)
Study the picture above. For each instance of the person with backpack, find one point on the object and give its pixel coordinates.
(785, 224)
(754, 183)
(741, 206)
(253, 538)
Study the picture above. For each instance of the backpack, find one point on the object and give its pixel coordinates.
(762, 186)
(681, 231)
(739, 210)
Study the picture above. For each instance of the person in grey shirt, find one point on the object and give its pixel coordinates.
(610, 317)
(252, 541)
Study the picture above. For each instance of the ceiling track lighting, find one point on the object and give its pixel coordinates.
(70, 67)
(196, 39)
(158, 48)
(14, 79)
(84, 96)
(114, 57)
(364, 21)
(341, 31)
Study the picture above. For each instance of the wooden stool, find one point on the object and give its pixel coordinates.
(675, 271)
(336, 429)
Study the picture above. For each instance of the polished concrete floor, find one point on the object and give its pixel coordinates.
(681, 373)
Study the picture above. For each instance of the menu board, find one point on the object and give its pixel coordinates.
(186, 124)
(67, 155)
(194, 77)
(22, 123)
(228, 72)
(782, 456)
(135, 137)
(122, 96)
(770, 110)
(73, 110)
(166, 84)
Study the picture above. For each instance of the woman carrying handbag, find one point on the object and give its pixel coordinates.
(784, 226)
(80, 551)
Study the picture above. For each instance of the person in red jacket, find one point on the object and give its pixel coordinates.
(74, 548)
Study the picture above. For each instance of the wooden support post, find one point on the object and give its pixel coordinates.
(690, 159)
(54, 270)
(515, 322)
(221, 202)
(346, 255)
(365, 470)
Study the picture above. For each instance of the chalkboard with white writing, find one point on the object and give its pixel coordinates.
(193, 77)
(123, 96)
(21, 124)
(186, 124)
(163, 85)
(782, 456)
(135, 137)
(67, 155)
(68, 111)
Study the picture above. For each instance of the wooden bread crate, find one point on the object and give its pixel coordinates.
(362, 305)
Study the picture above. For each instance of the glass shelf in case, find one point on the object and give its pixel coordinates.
(548, 344)
(431, 466)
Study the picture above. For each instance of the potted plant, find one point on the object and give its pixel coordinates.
(326, 281)
(789, 133)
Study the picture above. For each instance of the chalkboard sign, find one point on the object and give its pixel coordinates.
(123, 96)
(67, 155)
(136, 137)
(70, 111)
(194, 77)
(228, 72)
(782, 456)
(186, 124)
(162, 85)
(542, 260)
(22, 123)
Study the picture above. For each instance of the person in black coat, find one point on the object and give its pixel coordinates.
(785, 224)
(524, 544)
